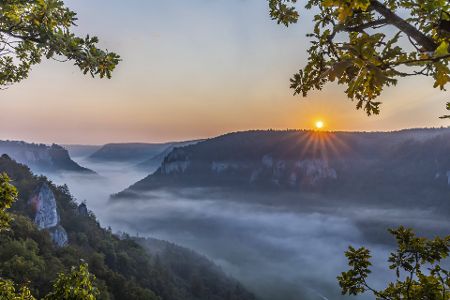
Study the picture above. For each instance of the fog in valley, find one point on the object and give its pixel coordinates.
(290, 249)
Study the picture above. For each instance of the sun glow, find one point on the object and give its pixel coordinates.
(320, 124)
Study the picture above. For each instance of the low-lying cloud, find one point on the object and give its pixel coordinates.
(280, 252)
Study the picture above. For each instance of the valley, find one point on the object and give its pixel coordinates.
(269, 233)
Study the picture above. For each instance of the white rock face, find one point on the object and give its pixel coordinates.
(293, 179)
(174, 167)
(59, 236)
(308, 171)
(44, 205)
(267, 161)
(222, 166)
(255, 175)
(46, 215)
(175, 162)
(316, 169)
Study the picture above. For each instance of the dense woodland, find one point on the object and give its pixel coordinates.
(372, 167)
(124, 269)
(42, 158)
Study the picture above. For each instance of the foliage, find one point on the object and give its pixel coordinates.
(77, 285)
(8, 291)
(8, 194)
(361, 44)
(32, 29)
(448, 108)
(417, 263)
(123, 269)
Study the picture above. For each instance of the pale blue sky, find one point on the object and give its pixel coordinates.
(192, 68)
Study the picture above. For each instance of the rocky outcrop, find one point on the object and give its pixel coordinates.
(82, 210)
(223, 166)
(46, 215)
(156, 160)
(293, 172)
(316, 170)
(44, 207)
(307, 161)
(58, 235)
(40, 157)
(176, 162)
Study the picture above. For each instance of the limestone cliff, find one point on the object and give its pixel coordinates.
(46, 215)
(307, 161)
(40, 157)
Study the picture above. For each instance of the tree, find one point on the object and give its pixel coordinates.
(8, 195)
(8, 291)
(77, 285)
(29, 31)
(33, 29)
(367, 46)
(417, 265)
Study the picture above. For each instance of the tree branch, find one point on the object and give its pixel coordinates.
(423, 40)
(361, 27)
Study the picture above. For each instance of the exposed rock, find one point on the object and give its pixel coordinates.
(59, 236)
(316, 170)
(222, 166)
(157, 159)
(175, 162)
(41, 158)
(293, 179)
(174, 167)
(46, 215)
(293, 173)
(255, 175)
(82, 210)
(44, 207)
(279, 169)
(267, 161)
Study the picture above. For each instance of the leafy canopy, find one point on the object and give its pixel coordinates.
(367, 46)
(8, 291)
(417, 265)
(77, 285)
(33, 29)
(8, 195)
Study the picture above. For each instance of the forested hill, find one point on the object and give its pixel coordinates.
(124, 269)
(345, 163)
(42, 158)
(128, 152)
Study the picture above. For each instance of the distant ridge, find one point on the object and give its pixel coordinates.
(41, 157)
(304, 160)
(78, 150)
(143, 155)
(157, 159)
(128, 152)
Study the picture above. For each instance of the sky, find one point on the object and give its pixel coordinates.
(193, 69)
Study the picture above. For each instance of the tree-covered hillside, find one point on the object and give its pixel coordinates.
(42, 158)
(123, 268)
(405, 166)
(128, 152)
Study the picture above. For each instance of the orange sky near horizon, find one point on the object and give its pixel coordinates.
(213, 68)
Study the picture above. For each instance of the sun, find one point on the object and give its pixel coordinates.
(320, 124)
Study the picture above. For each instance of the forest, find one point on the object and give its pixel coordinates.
(123, 267)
